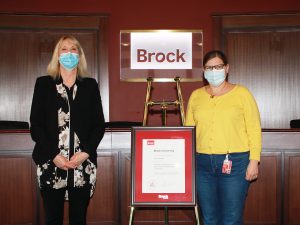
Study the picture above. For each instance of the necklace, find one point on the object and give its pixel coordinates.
(212, 95)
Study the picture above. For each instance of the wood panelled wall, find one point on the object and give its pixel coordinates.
(268, 63)
(273, 199)
(27, 43)
(263, 53)
(262, 50)
(19, 190)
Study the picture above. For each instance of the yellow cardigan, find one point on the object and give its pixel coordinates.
(225, 124)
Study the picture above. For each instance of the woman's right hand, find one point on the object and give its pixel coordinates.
(60, 162)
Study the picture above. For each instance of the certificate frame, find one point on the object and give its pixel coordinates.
(172, 159)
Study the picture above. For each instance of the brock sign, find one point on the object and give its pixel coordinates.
(161, 50)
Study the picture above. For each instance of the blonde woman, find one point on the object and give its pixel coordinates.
(67, 124)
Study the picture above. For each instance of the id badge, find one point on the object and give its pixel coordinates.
(227, 164)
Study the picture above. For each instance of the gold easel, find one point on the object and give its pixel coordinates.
(132, 208)
(163, 104)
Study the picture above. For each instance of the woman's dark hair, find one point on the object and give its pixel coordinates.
(215, 53)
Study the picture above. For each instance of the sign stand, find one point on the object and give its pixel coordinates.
(163, 104)
(167, 56)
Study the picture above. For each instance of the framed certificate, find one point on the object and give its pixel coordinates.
(163, 166)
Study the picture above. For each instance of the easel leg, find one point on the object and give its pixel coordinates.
(197, 215)
(180, 100)
(147, 101)
(166, 216)
(131, 215)
(164, 115)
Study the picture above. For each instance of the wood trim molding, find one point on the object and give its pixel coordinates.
(224, 22)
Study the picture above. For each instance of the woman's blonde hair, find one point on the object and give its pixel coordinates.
(53, 66)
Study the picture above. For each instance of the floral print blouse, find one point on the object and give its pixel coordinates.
(50, 176)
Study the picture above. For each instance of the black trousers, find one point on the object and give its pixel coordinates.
(53, 200)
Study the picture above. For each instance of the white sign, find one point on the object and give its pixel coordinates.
(163, 166)
(161, 50)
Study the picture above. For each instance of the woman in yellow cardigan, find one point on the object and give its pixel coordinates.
(228, 141)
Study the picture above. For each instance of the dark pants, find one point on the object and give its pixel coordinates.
(222, 196)
(53, 200)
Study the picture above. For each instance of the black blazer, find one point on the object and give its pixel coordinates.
(87, 118)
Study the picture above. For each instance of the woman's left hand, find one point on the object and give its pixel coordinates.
(77, 159)
(252, 170)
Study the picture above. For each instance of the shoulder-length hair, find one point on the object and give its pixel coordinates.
(215, 53)
(54, 65)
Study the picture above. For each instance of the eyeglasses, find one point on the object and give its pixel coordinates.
(217, 67)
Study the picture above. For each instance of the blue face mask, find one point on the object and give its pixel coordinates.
(215, 77)
(69, 60)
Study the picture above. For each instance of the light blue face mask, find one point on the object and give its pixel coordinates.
(69, 60)
(215, 77)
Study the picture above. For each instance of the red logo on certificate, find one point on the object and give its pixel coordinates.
(150, 142)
